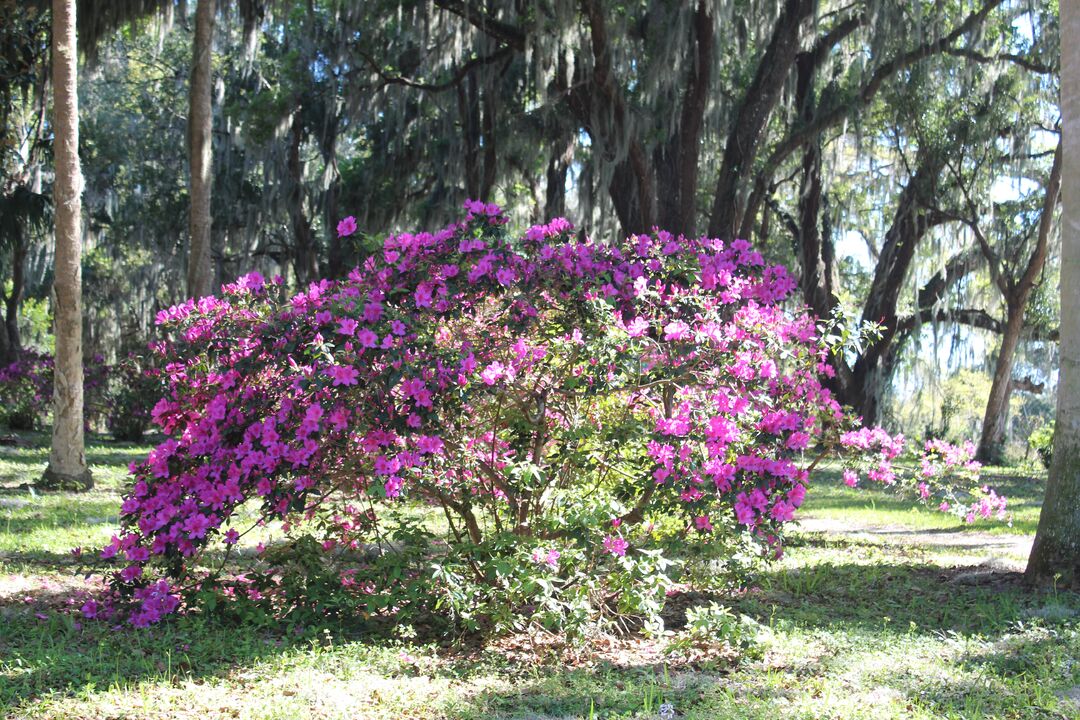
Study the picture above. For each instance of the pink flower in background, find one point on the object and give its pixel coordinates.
(744, 512)
(367, 338)
(346, 227)
(637, 327)
(549, 557)
(782, 511)
(197, 525)
(677, 330)
(797, 494)
(505, 276)
(131, 572)
(373, 311)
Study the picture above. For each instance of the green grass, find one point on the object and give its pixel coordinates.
(1024, 489)
(855, 625)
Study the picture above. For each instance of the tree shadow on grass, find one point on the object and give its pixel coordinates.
(19, 525)
(41, 560)
(53, 654)
(22, 513)
(920, 598)
(1028, 673)
(856, 601)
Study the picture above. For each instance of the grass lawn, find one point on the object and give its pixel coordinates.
(879, 609)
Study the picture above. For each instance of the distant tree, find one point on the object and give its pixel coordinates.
(200, 271)
(24, 215)
(1015, 291)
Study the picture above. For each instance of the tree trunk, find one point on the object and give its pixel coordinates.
(863, 389)
(337, 255)
(562, 154)
(18, 284)
(991, 441)
(9, 329)
(604, 113)
(200, 272)
(816, 251)
(67, 457)
(1057, 541)
(489, 113)
(749, 124)
(307, 267)
(677, 160)
(469, 111)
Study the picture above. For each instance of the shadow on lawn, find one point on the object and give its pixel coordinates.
(907, 598)
(54, 657)
(23, 518)
(62, 655)
(1028, 674)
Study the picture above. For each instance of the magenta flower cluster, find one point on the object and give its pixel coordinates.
(26, 389)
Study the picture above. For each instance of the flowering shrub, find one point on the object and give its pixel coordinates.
(552, 402)
(135, 386)
(26, 389)
(948, 474)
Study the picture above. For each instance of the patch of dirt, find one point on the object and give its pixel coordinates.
(1072, 696)
(972, 547)
(41, 593)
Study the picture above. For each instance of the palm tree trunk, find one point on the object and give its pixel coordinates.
(67, 458)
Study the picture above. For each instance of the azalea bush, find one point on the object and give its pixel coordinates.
(26, 389)
(135, 387)
(487, 427)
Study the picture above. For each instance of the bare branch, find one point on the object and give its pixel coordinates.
(1026, 63)
(454, 81)
(473, 12)
(962, 316)
(838, 113)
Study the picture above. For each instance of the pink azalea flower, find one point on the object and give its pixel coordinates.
(346, 227)
(615, 545)
(367, 338)
(342, 374)
(492, 373)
